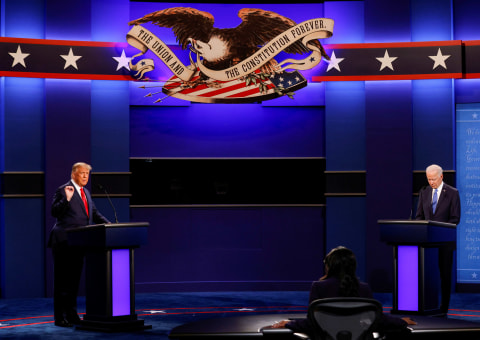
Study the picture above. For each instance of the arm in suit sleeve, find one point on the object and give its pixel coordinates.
(455, 208)
(420, 214)
(60, 203)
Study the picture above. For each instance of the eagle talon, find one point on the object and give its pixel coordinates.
(213, 85)
(190, 84)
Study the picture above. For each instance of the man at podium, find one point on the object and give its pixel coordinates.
(72, 207)
(440, 202)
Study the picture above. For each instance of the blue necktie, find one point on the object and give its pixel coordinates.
(434, 200)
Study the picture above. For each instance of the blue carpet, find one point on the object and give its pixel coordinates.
(33, 319)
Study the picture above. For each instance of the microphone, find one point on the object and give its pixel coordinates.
(101, 187)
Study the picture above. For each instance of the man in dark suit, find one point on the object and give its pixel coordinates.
(440, 202)
(72, 207)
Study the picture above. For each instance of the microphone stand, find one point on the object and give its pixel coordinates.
(101, 187)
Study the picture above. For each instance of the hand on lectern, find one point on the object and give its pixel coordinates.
(409, 321)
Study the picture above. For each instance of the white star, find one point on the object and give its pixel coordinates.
(19, 57)
(122, 61)
(70, 59)
(439, 59)
(386, 61)
(155, 311)
(474, 275)
(475, 116)
(333, 62)
(245, 309)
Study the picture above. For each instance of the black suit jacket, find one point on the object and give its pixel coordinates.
(329, 288)
(448, 205)
(71, 214)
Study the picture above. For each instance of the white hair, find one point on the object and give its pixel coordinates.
(434, 167)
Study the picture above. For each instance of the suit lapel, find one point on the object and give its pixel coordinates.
(443, 195)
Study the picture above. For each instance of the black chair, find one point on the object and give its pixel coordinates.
(346, 318)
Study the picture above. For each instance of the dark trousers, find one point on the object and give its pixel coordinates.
(68, 266)
(445, 263)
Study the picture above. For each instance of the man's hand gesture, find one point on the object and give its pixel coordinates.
(69, 192)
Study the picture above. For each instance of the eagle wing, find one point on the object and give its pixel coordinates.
(259, 27)
(185, 23)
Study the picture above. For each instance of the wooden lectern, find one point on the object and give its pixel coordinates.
(109, 274)
(416, 277)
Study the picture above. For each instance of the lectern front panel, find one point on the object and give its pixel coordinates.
(407, 263)
(121, 282)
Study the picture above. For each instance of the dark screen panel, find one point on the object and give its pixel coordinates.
(227, 181)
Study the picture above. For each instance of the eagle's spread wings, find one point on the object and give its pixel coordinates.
(185, 22)
(258, 27)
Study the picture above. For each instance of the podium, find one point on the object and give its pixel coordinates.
(109, 274)
(416, 276)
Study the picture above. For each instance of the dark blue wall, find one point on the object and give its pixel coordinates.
(386, 130)
(230, 248)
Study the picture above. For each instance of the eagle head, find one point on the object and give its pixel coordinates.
(214, 52)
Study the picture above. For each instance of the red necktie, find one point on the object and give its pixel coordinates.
(84, 199)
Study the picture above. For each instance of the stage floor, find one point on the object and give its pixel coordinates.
(218, 314)
(427, 327)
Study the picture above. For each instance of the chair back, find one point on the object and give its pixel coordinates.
(345, 318)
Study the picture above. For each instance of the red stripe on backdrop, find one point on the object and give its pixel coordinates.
(64, 75)
(393, 45)
(62, 42)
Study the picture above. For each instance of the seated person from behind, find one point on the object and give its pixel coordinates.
(340, 280)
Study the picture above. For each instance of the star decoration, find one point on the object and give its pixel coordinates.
(475, 116)
(155, 311)
(386, 61)
(439, 59)
(123, 61)
(70, 59)
(19, 57)
(334, 62)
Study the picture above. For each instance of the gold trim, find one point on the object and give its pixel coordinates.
(111, 173)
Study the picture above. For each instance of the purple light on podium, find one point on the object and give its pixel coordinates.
(120, 282)
(407, 278)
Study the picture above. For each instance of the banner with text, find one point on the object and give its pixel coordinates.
(468, 184)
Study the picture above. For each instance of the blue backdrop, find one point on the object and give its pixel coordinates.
(386, 131)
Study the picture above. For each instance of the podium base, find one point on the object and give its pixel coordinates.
(113, 326)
